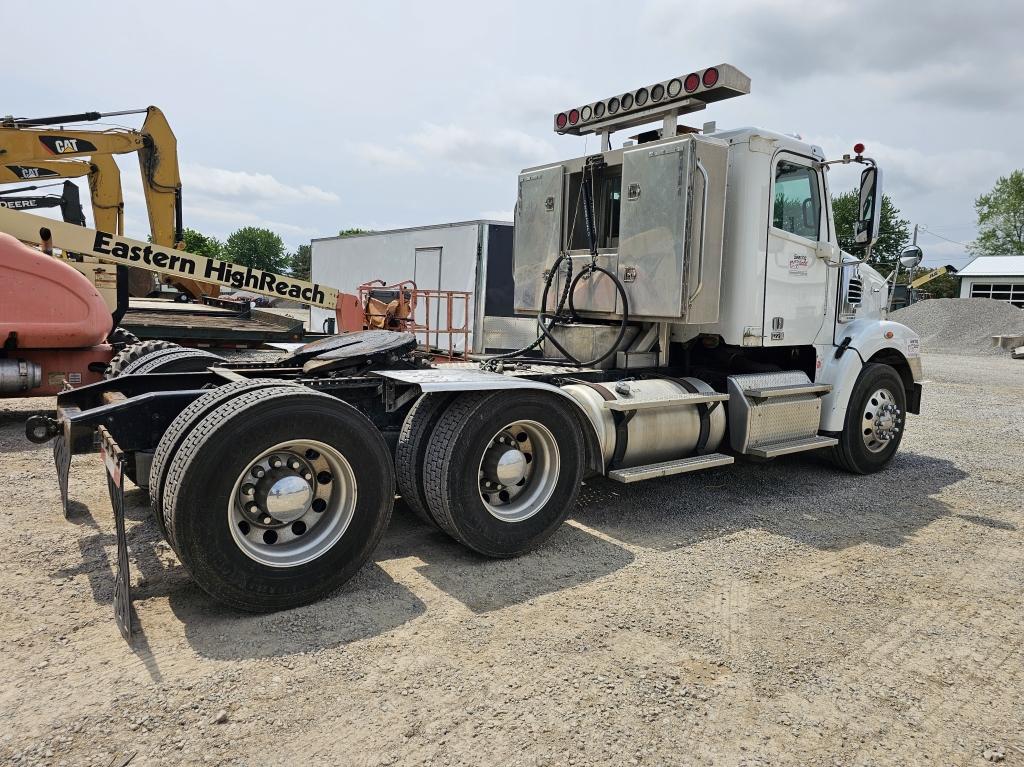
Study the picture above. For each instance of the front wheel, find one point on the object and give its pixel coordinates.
(502, 470)
(874, 422)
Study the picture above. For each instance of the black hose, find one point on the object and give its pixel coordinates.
(623, 323)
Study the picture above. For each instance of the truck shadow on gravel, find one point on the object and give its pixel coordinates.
(800, 497)
(373, 602)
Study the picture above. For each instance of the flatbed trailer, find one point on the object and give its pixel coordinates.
(225, 326)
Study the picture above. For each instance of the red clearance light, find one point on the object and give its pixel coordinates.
(574, 116)
(710, 77)
(692, 82)
(858, 148)
(561, 120)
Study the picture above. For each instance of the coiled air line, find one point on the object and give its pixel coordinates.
(545, 321)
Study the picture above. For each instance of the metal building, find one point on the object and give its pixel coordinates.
(473, 256)
(998, 277)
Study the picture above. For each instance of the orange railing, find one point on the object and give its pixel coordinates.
(439, 318)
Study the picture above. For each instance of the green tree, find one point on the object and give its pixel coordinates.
(202, 244)
(302, 262)
(1001, 218)
(258, 248)
(350, 232)
(894, 232)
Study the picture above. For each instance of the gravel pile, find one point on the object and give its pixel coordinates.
(962, 325)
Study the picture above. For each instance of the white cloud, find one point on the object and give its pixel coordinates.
(390, 158)
(242, 185)
(440, 148)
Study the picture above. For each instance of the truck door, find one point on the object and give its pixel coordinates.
(795, 278)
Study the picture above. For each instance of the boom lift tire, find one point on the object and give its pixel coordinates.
(412, 449)
(503, 469)
(177, 360)
(134, 352)
(180, 428)
(121, 338)
(878, 394)
(254, 557)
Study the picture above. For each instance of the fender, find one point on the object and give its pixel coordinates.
(867, 339)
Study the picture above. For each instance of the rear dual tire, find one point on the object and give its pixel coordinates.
(341, 493)
(502, 470)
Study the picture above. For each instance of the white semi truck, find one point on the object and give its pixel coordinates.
(693, 309)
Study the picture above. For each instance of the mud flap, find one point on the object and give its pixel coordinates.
(62, 460)
(114, 463)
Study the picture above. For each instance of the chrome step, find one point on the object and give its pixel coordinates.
(766, 392)
(792, 446)
(668, 468)
(625, 405)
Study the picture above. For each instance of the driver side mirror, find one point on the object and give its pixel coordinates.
(911, 256)
(869, 222)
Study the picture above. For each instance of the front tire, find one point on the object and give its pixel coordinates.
(278, 497)
(875, 417)
(502, 470)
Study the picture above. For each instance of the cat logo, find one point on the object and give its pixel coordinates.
(66, 145)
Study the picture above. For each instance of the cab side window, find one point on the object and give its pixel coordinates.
(797, 207)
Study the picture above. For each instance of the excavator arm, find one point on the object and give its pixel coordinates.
(68, 201)
(33, 140)
(104, 179)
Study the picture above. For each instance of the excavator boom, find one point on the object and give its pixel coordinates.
(33, 140)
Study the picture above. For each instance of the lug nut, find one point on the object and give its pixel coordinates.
(307, 476)
(275, 462)
(248, 489)
(258, 471)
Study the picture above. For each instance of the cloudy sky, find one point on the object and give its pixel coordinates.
(313, 117)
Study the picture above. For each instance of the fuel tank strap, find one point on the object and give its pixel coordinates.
(704, 411)
(621, 420)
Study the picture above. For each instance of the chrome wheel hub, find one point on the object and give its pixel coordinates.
(292, 503)
(881, 420)
(518, 471)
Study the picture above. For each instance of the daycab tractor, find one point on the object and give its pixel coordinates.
(693, 309)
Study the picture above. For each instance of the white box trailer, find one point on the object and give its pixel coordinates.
(472, 256)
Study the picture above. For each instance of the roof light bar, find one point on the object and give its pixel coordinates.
(686, 93)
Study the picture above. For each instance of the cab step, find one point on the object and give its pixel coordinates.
(792, 446)
(767, 392)
(668, 468)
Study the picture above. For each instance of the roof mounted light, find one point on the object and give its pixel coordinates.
(678, 95)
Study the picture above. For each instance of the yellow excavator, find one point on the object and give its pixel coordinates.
(104, 184)
(30, 141)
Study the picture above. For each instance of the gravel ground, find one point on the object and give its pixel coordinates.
(962, 325)
(761, 614)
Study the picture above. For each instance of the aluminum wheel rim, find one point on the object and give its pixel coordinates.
(276, 522)
(505, 495)
(880, 421)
